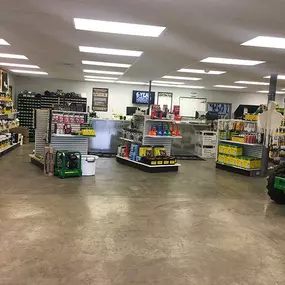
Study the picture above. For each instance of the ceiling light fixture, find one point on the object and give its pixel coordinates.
(110, 51)
(102, 72)
(182, 78)
(4, 43)
(280, 77)
(252, 82)
(28, 71)
(191, 87)
(18, 65)
(99, 80)
(231, 61)
(118, 28)
(132, 82)
(10, 55)
(201, 71)
(230, 86)
(268, 42)
(100, 77)
(168, 82)
(100, 63)
(267, 91)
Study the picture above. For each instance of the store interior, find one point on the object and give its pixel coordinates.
(141, 143)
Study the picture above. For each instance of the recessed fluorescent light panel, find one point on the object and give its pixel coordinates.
(118, 28)
(18, 65)
(111, 64)
(28, 71)
(252, 82)
(191, 86)
(99, 80)
(10, 55)
(168, 82)
(110, 51)
(132, 82)
(267, 91)
(102, 72)
(230, 86)
(231, 61)
(201, 71)
(281, 77)
(181, 78)
(3, 42)
(100, 77)
(268, 42)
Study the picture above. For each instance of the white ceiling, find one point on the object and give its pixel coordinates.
(43, 30)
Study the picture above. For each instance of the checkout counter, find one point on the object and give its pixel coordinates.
(186, 145)
(108, 133)
(107, 137)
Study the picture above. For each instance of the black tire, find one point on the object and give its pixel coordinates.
(278, 196)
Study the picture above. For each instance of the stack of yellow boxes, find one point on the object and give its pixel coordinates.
(232, 155)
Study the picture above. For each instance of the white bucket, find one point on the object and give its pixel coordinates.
(88, 165)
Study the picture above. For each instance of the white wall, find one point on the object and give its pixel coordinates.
(120, 95)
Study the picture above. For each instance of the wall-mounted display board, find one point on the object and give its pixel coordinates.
(100, 99)
(3, 81)
(142, 97)
(165, 98)
(223, 109)
(189, 106)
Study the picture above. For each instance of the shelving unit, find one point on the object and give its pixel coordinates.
(144, 124)
(251, 153)
(8, 149)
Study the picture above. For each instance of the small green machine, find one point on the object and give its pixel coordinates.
(276, 185)
(67, 164)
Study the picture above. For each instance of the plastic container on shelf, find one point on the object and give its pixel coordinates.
(88, 164)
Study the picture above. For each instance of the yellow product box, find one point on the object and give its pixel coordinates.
(234, 161)
(257, 163)
(236, 150)
(221, 158)
(221, 148)
(227, 149)
(238, 162)
(227, 159)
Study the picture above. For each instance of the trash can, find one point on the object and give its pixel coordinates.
(89, 165)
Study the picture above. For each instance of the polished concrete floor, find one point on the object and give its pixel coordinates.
(198, 226)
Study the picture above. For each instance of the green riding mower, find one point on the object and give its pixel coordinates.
(276, 185)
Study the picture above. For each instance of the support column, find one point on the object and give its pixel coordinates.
(149, 99)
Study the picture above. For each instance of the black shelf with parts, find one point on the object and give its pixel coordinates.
(28, 102)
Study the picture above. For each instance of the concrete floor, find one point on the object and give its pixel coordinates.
(198, 226)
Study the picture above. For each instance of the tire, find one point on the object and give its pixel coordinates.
(278, 196)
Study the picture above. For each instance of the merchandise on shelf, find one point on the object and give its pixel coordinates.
(8, 124)
(151, 155)
(230, 149)
(8, 140)
(165, 129)
(132, 134)
(240, 161)
(251, 117)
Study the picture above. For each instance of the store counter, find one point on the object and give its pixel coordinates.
(186, 145)
(107, 135)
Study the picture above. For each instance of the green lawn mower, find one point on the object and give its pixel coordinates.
(276, 185)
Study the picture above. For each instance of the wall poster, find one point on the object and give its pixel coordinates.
(223, 109)
(100, 99)
(165, 98)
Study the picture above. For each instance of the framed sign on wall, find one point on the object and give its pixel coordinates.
(165, 98)
(223, 109)
(100, 99)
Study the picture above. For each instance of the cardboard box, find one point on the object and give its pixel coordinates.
(22, 130)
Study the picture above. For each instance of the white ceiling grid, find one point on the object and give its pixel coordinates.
(44, 32)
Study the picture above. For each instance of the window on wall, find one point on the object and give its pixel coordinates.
(189, 106)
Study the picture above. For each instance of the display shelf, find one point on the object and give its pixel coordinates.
(9, 148)
(70, 136)
(164, 137)
(160, 120)
(146, 167)
(251, 144)
(240, 170)
(9, 114)
(129, 140)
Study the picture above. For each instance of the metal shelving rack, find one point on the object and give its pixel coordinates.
(144, 125)
(254, 150)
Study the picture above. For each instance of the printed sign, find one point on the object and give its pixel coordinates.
(100, 99)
